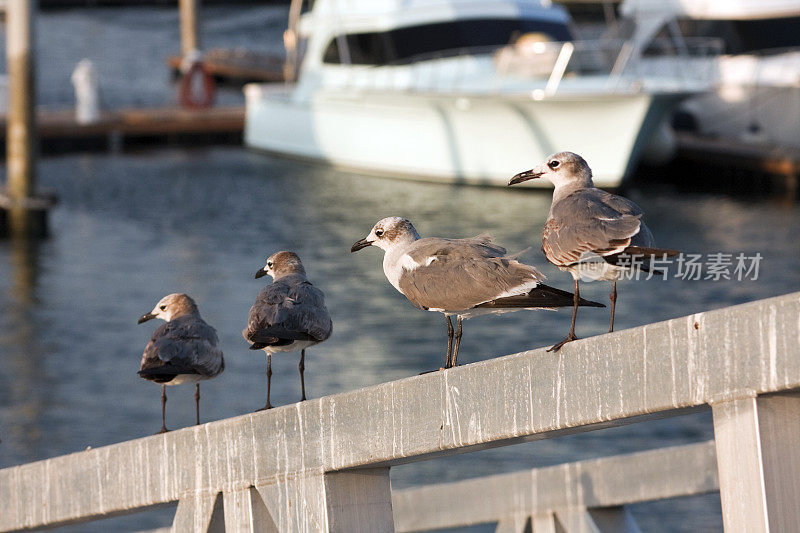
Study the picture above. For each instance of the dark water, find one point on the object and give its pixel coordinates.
(132, 228)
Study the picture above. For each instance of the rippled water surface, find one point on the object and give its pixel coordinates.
(132, 228)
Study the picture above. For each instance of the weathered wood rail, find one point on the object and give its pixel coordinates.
(581, 496)
(323, 465)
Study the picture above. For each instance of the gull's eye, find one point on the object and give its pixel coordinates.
(269, 264)
(163, 307)
(553, 164)
(378, 232)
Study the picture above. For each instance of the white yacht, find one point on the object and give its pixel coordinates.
(431, 89)
(756, 81)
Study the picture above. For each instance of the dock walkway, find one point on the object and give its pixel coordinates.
(323, 464)
(60, 130)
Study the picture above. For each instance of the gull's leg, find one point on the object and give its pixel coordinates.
(457, 344)
(448, 356)
(269, 379)
(613, 298)
(571, 336)
(302, 368)
(163, 409)
(197, 402)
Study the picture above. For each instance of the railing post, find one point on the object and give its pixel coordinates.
(758, 458)
(201, 512)
(517, 524)
(245, 512)
(600, 520)
(359, 501)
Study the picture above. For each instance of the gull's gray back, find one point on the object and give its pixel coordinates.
(294, 305)
(458, 274)
(592, 220)
(188, 345)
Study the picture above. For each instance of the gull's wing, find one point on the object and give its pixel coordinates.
(186, 345)
(459, 274)
(592, 220)
(288, 310)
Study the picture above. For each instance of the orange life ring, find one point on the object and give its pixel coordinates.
(187, 98)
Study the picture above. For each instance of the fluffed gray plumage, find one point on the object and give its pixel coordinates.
(289, 309)
(185, 345)
(184, 350)
(288, 315)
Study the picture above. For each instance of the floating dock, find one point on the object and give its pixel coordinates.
(59, 131)
(323, 464)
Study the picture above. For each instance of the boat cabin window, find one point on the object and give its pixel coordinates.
(414, 43)
(739, 36)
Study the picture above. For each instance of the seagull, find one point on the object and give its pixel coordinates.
(461, 277)
(184, 350)
(288, 315)
(590, 231)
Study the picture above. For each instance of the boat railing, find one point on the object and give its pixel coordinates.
(541, 68)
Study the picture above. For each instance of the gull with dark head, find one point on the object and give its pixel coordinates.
(461, 277)
(288, 315)
(590, 232)
(184, 350)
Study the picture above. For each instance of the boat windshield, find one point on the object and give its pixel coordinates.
(741, 36)
(414, 43)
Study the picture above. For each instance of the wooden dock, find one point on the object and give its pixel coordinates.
(323, 464)
(60, 131)
(735, 167)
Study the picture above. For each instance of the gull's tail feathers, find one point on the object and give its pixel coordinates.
(543, 296)
(647, 252)
(275, 336)
(164, 373)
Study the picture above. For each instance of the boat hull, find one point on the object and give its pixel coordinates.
(471, 139)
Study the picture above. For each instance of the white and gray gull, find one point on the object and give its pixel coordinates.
(589, 232)
(288, 315)
(184, 350)
(461, 277)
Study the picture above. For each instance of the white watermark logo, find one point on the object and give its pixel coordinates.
(713, 266)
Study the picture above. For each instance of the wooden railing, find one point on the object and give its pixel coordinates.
(323, 465)
(582, 496)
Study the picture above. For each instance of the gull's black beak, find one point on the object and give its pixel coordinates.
(524, 176)
(261, 273)
(363, 243)
(145, 318)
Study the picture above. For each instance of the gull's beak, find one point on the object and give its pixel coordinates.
(525, 176)
(145, 318)
(363, 243)
(261, 273)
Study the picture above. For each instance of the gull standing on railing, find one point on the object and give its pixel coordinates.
(461, 277)
(184, 350)
(288, 315)
(589, 231)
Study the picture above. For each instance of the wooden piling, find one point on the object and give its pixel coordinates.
(25, 214)
(190, 36)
